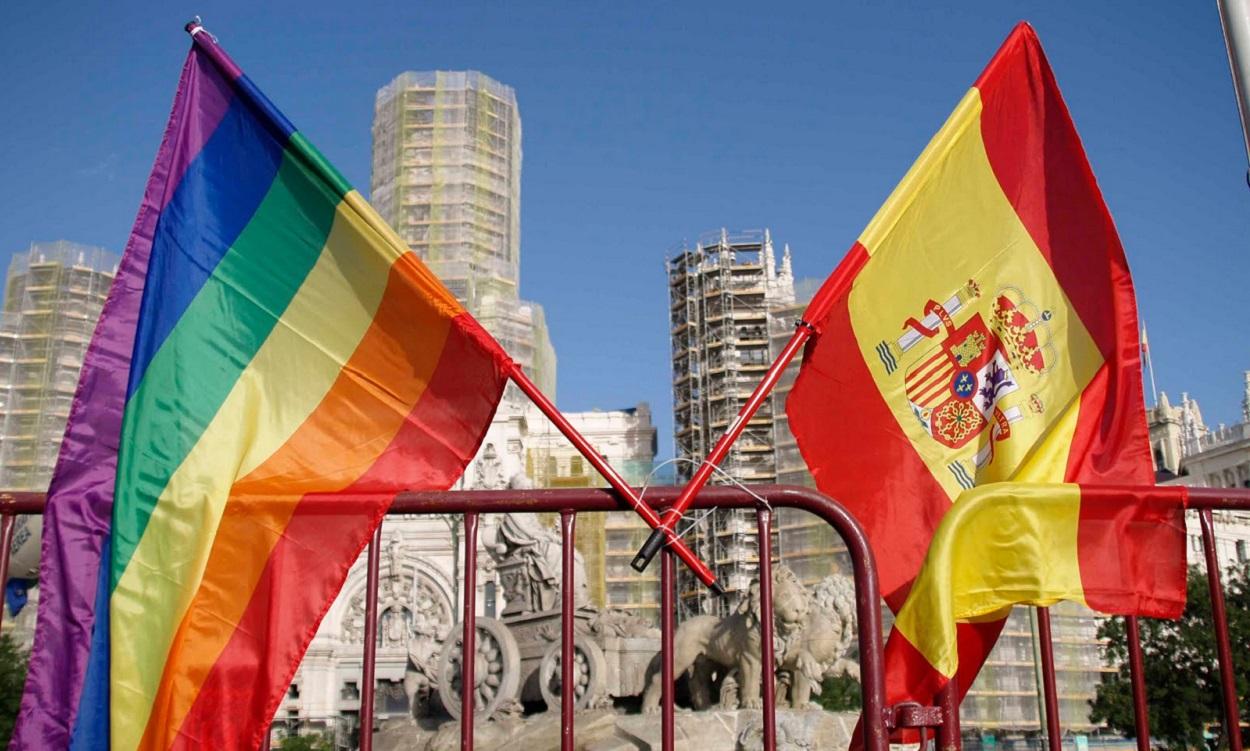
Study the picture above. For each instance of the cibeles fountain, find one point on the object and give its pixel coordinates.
(617, 687)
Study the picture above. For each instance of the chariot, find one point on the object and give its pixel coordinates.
(518, 656)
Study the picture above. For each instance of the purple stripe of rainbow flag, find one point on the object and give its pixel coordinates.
(80, 497)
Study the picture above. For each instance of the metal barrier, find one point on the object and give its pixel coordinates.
(878, 719)
(568, 503)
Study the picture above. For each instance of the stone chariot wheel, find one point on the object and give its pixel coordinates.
(496, 672)
(590, 671)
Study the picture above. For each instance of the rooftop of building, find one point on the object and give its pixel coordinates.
(447, 80)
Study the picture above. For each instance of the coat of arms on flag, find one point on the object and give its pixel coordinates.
(964, 385)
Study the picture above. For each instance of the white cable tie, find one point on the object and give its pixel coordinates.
(198, 28)
(720, 472)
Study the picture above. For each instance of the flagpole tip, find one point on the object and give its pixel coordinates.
(196, 26)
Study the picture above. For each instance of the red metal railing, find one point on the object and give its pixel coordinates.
(568, 503)
(879, 720)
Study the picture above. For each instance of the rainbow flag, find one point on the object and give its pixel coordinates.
(268, 337)
(982, 330)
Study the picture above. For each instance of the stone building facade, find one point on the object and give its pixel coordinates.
(1189, 452)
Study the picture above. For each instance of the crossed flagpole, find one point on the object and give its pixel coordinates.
(664, 531)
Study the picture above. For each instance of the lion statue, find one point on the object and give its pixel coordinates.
(819, 649)
(710, 646)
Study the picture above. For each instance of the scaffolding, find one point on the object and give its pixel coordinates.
(53, 298)
(447, 176)
(804, 543)
(723, 297)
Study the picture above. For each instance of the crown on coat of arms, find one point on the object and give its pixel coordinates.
(1023, 329)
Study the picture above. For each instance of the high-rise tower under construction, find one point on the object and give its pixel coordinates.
(447, 177)
(731, 304)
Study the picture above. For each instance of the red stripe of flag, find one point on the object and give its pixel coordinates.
(1036, 154)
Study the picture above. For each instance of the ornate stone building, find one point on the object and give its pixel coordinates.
(1188, 452)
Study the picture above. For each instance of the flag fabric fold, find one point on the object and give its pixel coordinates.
(982, 330)
(1004, 544)
(285, 343)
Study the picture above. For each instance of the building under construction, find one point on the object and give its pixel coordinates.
(805, 543)
(52, 300)
(447, 176)
(723, 297)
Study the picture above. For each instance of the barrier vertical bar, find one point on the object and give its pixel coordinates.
(948, 734)
(6, 543)
(768, 668)
(370, 657)
(1232, 720)
(868, 625)
(1054, 739)
(667, 611)
(568, 689)
(468, 639)
(1137, 678)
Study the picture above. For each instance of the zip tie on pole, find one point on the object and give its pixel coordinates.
(646, 484)
(761, 500)
(655, 541)
(196, 26)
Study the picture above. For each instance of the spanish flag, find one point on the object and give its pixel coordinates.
(268, 338)
(982, 330)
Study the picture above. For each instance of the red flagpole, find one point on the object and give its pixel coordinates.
(530, 389)
(664, 531)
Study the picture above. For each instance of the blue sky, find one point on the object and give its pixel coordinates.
(648, 123)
